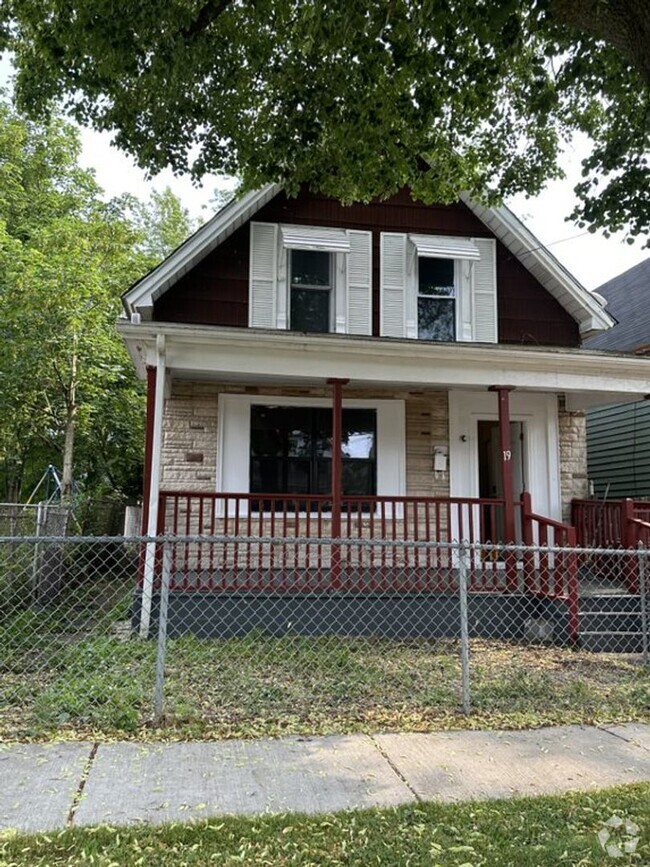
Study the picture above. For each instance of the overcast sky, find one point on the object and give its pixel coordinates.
(591, 258)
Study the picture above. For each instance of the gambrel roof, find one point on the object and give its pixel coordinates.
(584, 307)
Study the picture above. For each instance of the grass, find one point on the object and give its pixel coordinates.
(59, 680)
(524, 832)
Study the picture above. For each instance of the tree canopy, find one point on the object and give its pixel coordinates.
(69, 394)
(358, 99)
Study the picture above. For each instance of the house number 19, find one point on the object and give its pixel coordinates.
(507, 455)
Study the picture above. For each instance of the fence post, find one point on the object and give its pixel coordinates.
(630, 541)
(463, 571)
(573, 588)
(36, 565)
(159, 696)
(643, 590)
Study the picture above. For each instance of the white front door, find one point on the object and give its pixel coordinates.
(535, 456)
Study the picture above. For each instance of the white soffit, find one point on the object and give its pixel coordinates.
(584, 307)
(441, 247)
(315, 238)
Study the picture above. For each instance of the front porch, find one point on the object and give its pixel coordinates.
(364, 512)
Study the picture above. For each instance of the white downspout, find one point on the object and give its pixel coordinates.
(154, 488)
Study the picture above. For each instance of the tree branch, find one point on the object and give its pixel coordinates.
(624, 24)
(207, 15)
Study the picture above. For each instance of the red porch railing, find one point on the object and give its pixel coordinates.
(614, 524)
(552, 573)
(610, 523)
(389, 527)
(378, 549)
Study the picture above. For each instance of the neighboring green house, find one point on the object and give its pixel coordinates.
(618, 436)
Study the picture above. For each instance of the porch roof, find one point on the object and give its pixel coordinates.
(258, 356)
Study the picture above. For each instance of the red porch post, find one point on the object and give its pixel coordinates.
(148, 450)
(148, 447)
(503, 394)
(573, 588)
(337, 474)
(630, 541)
(528, 540)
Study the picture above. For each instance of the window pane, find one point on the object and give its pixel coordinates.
(298, 422)
(267, 434)
(359, 433)
(291, 450)
(323, 477)
(359, 478)
(310, 310)
(436, 277)
(266, 476)
(436, 319)
(298, 477)
(310, 268)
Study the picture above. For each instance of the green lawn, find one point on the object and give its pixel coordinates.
(57, 680)
(527, 832)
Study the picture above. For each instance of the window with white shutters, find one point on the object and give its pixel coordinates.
(438, 288)
(310, 278)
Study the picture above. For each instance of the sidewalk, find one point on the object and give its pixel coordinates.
(50, 786)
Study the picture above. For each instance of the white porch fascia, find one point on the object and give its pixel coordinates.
(257, 356)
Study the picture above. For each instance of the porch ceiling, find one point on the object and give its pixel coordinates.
(259, 356)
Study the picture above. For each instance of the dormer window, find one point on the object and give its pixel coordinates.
(311, 290)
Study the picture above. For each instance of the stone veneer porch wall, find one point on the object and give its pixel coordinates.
(189, 455)
(574, 482)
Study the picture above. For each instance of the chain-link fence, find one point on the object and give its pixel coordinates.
(37, 519)
(236, 636)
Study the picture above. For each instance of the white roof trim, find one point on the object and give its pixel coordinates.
(585, 308)
(154, 284)
(443, 247)
(315, 238)
(576, 300)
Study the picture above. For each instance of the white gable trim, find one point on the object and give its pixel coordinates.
(582, 305)
(141, 295)
(574, 298)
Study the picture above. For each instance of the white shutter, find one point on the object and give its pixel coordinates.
(393, 285)
(484, 292)
(359, 283)
(263, 275)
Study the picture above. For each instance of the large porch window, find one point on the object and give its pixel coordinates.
(291, 450)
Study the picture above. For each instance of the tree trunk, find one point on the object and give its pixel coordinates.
(67, 477)
(625, 24)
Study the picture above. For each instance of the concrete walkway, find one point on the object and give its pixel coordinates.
(49, 786)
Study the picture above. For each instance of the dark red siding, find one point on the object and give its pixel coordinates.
(216, 291)
(527, 312)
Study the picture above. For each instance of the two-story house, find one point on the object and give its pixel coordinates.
(387, 371)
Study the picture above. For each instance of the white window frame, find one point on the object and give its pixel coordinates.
(464, 253)
(233, 440)
(456, 297)
(331, 289)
